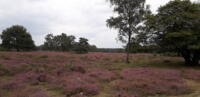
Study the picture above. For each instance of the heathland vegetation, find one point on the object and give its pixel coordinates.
(160, 57)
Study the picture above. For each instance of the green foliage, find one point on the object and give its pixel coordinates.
(136, 48)
(176, 26)
(3, 49)
(66, 43)
(17, 38)
(130, 15)
(82, 46)
(92, 48)
(169, 54)
(110, 50)
(59, 43)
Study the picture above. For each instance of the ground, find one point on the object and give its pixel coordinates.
(56, 74)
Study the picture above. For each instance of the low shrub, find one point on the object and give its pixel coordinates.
(29, 92)
(149, 81)
(5, 71)
(39, 94)
(191, 74)
(11, 85)
(4, 57)
(102, 75)
(43, 57)
(33, 78)
(83, 90)
(75, 68)
(76, 84)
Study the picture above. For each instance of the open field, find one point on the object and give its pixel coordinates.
(54, 74)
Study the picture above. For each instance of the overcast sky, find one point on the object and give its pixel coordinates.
(82, 18)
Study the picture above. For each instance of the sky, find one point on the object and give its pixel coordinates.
(81, 18)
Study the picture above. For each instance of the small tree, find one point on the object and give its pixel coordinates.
(17, 37)
(130, 13)
(177, 26)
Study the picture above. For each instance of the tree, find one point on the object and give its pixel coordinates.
(59, 43)
(82, 46)
(92, 48)
(176, 26)
(17, 37)
(130, 15)
(49, 44)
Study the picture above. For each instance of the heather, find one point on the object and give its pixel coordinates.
(57, 74)
(148, 81)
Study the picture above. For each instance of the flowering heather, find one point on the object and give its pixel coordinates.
(191, 74)
(39, 94)
(148, 81)
(46, 74)
(80, 84)
(102, 75)
(11, 85)
(30, 92)
(75, 68)
(33, 78)
(124, 94)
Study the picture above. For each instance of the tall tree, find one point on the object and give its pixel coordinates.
(130, 13)
(17, 37)
(177, 26)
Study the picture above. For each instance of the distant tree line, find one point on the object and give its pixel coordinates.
(66, 43)
(110, 50)
(16, 38)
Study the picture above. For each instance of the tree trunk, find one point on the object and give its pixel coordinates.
(128, 49)
(127, 57)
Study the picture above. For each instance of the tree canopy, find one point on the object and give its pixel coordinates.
(176, 26)
(82, 46)
(64, 42)
(17, 38)
(130, 13)
(59, 43)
